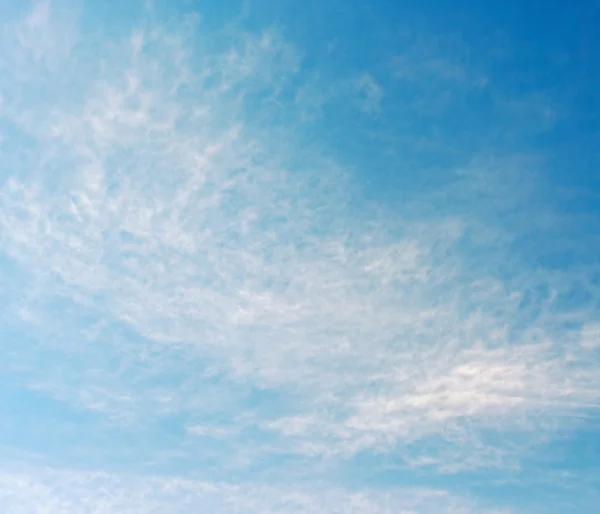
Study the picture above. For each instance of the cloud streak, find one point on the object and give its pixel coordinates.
(56, 491)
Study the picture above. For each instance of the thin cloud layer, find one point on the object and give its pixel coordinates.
(59, 491)
(169, 230)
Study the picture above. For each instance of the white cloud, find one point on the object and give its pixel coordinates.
(39, 41)
(590, 336)
(53, 491)
(181, 207)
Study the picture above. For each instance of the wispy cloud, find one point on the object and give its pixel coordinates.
(40, 491)
(174, 235)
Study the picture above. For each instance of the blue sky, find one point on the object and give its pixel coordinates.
(287, 257)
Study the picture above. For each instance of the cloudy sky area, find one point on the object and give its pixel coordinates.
(299, 257)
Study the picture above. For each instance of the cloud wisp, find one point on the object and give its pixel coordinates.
(172, 233)
(59, 491)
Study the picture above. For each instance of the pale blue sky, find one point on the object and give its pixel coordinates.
(299, 257)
